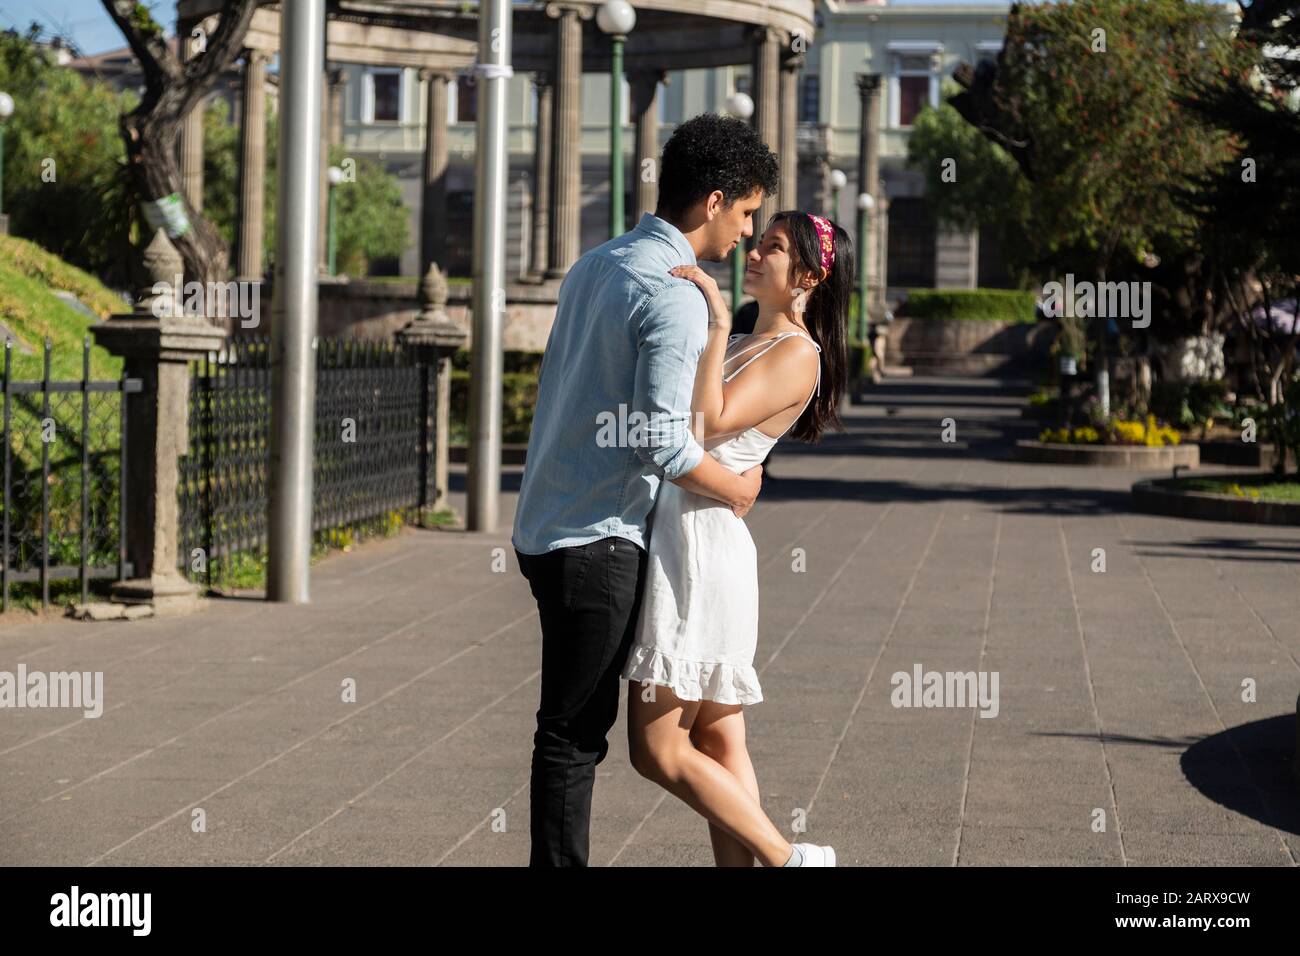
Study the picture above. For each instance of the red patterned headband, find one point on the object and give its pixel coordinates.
(826, 240)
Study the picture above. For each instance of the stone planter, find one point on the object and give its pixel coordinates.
(969, 346)
(1158, 497)
(1108, 456)
(1239, 454)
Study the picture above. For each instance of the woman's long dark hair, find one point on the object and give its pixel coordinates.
(825, 312)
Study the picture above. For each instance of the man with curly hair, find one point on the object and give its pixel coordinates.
(623, 350)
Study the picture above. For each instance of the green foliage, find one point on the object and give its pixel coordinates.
(143, 20)
(221, 158)
(1249, 204)
(989, 305)
(221, 169)
(1108, 138)
(1254, 487)
(1188, 404)
(65, 180)
(372, 221)
(32, 313)
(519, 399)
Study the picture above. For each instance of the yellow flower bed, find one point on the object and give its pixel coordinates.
(1120, 432)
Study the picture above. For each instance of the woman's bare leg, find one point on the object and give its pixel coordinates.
(660, 748)
(719, 732)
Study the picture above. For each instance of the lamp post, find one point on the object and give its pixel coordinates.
(335, 177)
(6, 111)
(865, 204)
(838, 182)
(616, 18)
(741, 106)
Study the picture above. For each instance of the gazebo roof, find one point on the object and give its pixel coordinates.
(669, 34)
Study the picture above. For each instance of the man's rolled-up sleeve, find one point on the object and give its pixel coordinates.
(672, 330)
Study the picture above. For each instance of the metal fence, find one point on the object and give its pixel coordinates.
(373, 462)
(64, 478)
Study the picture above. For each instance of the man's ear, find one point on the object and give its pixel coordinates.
(714, 203)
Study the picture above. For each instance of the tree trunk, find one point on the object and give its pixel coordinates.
(151, 131)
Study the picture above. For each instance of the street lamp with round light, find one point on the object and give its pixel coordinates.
(838, 182)
(866, 203)
(616, 18)
(741, 106)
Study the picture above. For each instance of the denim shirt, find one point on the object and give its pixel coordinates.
(627, 338)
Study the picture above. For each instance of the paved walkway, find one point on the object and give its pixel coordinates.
(1120, 693)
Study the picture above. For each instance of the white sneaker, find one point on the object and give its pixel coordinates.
(814, 855)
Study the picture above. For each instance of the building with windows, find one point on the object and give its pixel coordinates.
(912, 46)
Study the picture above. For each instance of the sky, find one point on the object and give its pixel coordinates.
(83, 20)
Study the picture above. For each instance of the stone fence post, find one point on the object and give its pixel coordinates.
(436, 338)
(157, 342)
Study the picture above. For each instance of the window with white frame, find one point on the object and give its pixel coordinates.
(381, 96)
(914, 82)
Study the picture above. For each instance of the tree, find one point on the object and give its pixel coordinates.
(65, 181)
(1249, 206)
(1084, 97)
(151, 130)
(371, 220)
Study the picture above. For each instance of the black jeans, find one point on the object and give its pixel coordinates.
(588, 597)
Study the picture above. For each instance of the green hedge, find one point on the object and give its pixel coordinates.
(987, 305)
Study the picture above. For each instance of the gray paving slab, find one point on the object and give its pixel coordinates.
(883, 548)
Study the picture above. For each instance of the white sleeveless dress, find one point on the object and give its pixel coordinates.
(697, 629)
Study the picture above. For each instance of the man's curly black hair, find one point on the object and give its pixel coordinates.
(711, 152)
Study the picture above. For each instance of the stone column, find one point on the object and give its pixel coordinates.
(791, 64)
(333, 81)
(337, 90)
(869, 178)
(765, 84)
(157, 349)
(566, 156)
(822, 162)
(252, 166)
(437, 338)
(191, 128)
(433, 198)
(542, 150)
(645, 96)
(881, 239)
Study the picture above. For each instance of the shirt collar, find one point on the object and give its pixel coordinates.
(652, 225)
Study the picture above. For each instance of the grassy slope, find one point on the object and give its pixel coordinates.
(32, 312)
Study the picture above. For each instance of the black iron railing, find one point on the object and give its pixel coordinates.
(65, 488)
(372, 462)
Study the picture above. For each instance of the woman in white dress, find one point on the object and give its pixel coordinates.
(691, 667)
